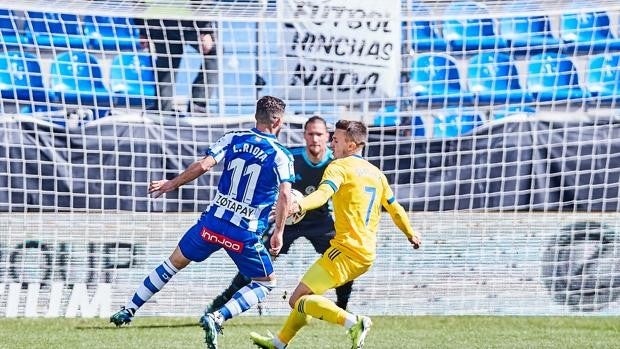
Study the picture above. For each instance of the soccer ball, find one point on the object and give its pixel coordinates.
(297, 217)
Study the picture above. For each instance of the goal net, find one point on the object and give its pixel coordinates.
(495, 122)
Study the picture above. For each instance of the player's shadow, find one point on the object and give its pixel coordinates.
(111, 327)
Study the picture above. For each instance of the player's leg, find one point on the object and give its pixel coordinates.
(254, 261)
(237, 283)
(320, 240)
(190, 248)
(315, 281)
(153, 283)
(333, 268)
(343, 293)
(240, 280)
(295, 322)
(256, 267)
(341, 269)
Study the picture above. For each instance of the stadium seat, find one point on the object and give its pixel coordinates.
(387, 116)
(603, 78)
(455, 122)
(132, 80)
(493, 79)
(240, 37)
(528, 34)
(268, 37)
(435, 79)
(111, 33)
(587, 32)
(511, 110)
(55, 30)
(21, 78)
(470, 34)
(424, 36)
(10, 37)
(553, 77)
(417, 126)
(238, 86)
(330, 112)
(75, 78)
(238, 110)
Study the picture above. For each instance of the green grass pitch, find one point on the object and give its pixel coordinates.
(387, 332)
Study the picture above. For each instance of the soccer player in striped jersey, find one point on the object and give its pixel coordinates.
(318, 225)
(358, 190)
(257, 171)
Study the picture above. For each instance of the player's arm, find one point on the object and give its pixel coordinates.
(281, 212)
(194, 171)
(286, 176)
(398, 214)
(332, 178)
(213, 155)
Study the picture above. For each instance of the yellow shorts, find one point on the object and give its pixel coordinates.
(332, 270)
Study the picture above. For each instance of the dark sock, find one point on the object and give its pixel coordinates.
(343, 293)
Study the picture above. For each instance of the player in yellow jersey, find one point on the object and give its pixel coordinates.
(358, 190)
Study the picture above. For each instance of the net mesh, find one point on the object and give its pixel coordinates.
(495, 121)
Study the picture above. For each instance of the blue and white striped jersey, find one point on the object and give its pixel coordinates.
(255, 164)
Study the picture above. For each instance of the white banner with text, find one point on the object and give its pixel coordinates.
(339, 49)
(470, 263)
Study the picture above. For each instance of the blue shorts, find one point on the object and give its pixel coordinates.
(245, 248)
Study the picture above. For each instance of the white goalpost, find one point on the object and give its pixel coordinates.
(495, 121)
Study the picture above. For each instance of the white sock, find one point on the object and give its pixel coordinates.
(219, 318)
(278, 343)
(153, 283)
(350, 320)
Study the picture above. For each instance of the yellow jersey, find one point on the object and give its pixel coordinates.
(359, 190)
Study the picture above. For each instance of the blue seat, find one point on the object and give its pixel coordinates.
(424, 36)
(9, 32)
(553, 77)
(387, 116)
(511, 110)
(236, 94)
(435, 79)
(330, 112)
(493, 79)
(268, 37)
(238, 110)
(21, 78)
(455, 122)
(603, 78)
(470, 34)
(240, 37)
(75, 79)
(417, 127)
(55, 30)
(530, 34)
(239, 79)
(587, 32)
(132, 80)
(111, 33)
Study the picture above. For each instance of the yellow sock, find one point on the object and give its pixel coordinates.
(296, 320)
(322, 308)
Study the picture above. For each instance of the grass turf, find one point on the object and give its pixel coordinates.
(387, 332)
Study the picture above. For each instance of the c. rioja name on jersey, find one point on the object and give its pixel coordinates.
(249, 148)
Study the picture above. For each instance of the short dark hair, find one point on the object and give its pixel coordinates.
(315, 118)
(355, 131)
(269, 109)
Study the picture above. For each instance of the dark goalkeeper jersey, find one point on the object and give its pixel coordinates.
(307, 178)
